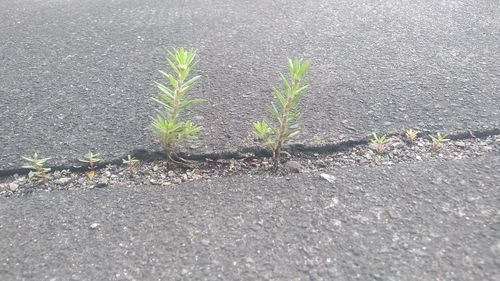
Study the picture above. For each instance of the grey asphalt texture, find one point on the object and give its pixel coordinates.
(422, 221)
(78, 75)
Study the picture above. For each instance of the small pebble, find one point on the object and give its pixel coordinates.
(94, 225)
(101, 185)
(327, 177)
(63, 181)
(293, 167)
(13, 186)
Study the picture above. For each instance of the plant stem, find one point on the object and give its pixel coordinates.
(284, 123)
(175, 111)
(282, 131)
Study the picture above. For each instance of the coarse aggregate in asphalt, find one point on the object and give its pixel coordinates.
(78, 75)
(410, 221)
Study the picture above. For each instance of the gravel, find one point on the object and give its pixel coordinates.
(398, 150)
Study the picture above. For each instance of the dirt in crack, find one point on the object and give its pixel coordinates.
(398, 150)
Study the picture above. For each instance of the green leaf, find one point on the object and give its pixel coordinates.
(275, 112)
(286, 85)
(187, 85)
(164, 74)
(262, 130)
(190, 57)
(165, 105)
(279, 96)
(173, 66)
(294, 116)
(27, 159)
(302, 88)
(166, 91)
(291, 134)
(172, 81)
(192, 81)
(304, 67)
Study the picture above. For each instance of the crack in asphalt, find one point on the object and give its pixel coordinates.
(150, 156)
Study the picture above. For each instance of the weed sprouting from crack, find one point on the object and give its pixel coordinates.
(169, 125)
(379, 142)
(38, 171)
(286, 115)
(411, 135)
(438, 141)
(131, 163)
(354, 155)
(92, 160)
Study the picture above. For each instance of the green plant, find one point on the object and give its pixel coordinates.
(131, 163)
(285, 113)
(411, 135)
(438, 141)
(92, 160)
(379, 142)
(168, 125)
(36, 165)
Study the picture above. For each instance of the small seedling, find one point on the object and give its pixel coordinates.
(286, 114)
(168, 125)
(131, 163)
(92, 161)
(438, 141)
(379, 142)
(411, 135)
(38, 172)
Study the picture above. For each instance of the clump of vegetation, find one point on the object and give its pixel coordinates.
(131, 163)
(286, 114)
(169, 124)
(379, 142)
(438, 141)
(411, 135)
(92, 160)
(38, 171)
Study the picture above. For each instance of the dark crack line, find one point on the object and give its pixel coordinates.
(150, 156)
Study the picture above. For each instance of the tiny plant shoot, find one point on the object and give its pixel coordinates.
(131, 163)
(411, 135)
(438, 141)
(170, 125)
(379, 142)
(274, 135)
(92, 160)
(37, 170)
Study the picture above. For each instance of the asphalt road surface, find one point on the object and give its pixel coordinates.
(423, 221)
(78, 75)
